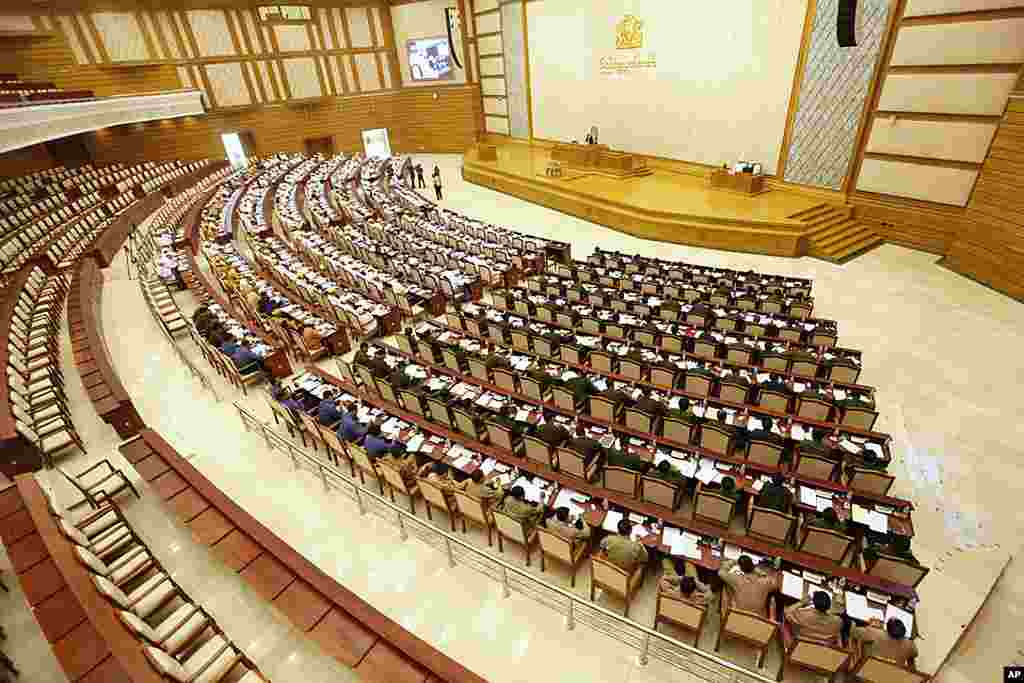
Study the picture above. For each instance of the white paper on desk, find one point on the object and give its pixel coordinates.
(673, 403)
(670, 535)
(823, 504)
(758, 485)
(875, 448)
(484, 400)
(816, 579)
(611, 521)
(732, 552)
(763, 377)
(860, 515)
(706, 475)
(839, 394)
(857, 606)
(849, 446)
(487, 466)
(688, 468)
(414, 444)
(878, 597)
(698, 411)
(639, 532)
(894, 612)
(793, 585)
(565, 498)
(879, 522)
(808, 496)
(797, 431)
(522, 415)
(754, 423)
(462, 461)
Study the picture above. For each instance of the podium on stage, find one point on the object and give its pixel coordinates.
(744, 183)
(599, 158)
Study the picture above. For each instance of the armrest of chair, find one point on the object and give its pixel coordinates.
(105, 461)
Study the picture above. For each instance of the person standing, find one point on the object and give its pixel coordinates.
(412, 174)
(419, 176)
(437, 182)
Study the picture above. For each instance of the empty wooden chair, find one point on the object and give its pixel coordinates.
(474, 509)
(505, 380)
(563, 550)
(395, 482)
(735, 391)
(699, 385)
(639, 420)
(602, 361)
(621, 479)
(411, 402)
(750, 628)
(773, 400)
(565, 399)
(713, 508)
(613, 579)
(862, 418)
(603, 409)
(660, 492)
(845, 373)
(716, 439)
(826, 543)
(681, 613)
(537, 451)
(812, 466)
(896, 569)
(100, 483)
(436, 496)
(571, 462)
(503, 437)
(677, 430)
(765, 524)
(880, 670)
(663, 377)
(765, 453)
(869, 481)
(812, 655)
(511, 529)
(439, 412)
(813, 408)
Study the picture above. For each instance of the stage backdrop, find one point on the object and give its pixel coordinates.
(699, 81)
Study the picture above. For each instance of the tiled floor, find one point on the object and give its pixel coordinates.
(940, 349)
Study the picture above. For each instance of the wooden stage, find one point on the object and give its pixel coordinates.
(664, 205)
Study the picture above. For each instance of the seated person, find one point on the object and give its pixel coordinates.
(311, 339)
(440, 474)
(584, 445)
(765, 434)
(327, 412)
(553, 433)
(200, 313)
(517, 507)
(362, 356)
(399, 379)
(810, 618)
(890, 642)
(776, 383)
(666, 471)
(893, 544)
(775, 495)
(542, 378)
(379, 367)
(507, 418)
(478, 488)
(827, 519)
(252, 297)
(290, 400)
(278, 390)
(405, 465)
(651, 406)
(581, 388)
(681, 578)
(750, 585)
(617, 458)
(618, 397)
(265, 305)
(246, 360)
(378, 446)
(351, 429)
(228, 345)
(726, 488)
(622, 551)
(560, 524)
(495, 360)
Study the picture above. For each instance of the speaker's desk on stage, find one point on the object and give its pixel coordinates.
(746, 183)
(598, 157)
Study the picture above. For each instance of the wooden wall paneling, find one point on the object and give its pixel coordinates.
(91, 54)
(152, 53)
(324, 89)
(179, 35)
(388, 28)
(346, 34)
(275, 48)
(159, 37)
(236, 41)
(794, 91)
(467, 61)
(90, 26)
(377, 40)
(871, 102)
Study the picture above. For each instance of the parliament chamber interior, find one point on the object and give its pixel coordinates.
(496, 340)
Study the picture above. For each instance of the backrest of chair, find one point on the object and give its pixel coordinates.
(804, 368)
(433, 493)
(347, 372)
(814, 467)
(537, 450)
(638, 419)
(473, 327)
(520, 340)
(510, 527)
(311, 425)
(663, 377)
(774, 362)
(698, 384)
(359, 456)
(823, 339)
(392, 477)
(570, 354)
(658, 491)
(451, 361)
(813, 408)
(671, 343)
(367, 377)
(387, 392)
(774, 400)
(621, 479)
(564, 398)
(602, 409)
(750, 627)
(825, 543)
(897, 570)
(733, 391)
(870, 481)
(554, 545)
(714, 438)
(601, 361)
(676, 430)
(505, 379)
(590, 325)
(411, 402)
(705, 347)
(879, 670)
(570, 462)
(680, 611)
(764, 453)
(818, 656)
(470, 507)
(844, 373)
(770, 524)
(439, 411)
(501, 436)
(464, 422)
(478, 369)
(530, 387)
(713, 507)
(631, 369)
(863, 418)
(610, 576)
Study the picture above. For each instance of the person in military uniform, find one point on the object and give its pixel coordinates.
(517, 507)
(750, 585)
(559, 523)
(775, 495)
(622, 551)
(553, 433)
(680, 578)
(811, 618)
(827, 519)
(889, 641)
(584, 445)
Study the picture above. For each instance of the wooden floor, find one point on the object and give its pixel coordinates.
(665, 205)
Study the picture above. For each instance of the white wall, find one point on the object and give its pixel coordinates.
(720, 90)
(423, 20)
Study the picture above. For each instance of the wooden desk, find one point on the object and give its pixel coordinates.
(745, 183)
(806, 560)
(109, 398)
(599, 157)
(345, 626)
(487, 152)
(87, 638)
(17, 453)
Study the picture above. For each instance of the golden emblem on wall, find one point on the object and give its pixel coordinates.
(629, 33)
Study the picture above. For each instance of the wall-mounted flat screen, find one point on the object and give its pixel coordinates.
(430, 59)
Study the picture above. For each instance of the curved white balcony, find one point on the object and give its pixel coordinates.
(31, 124)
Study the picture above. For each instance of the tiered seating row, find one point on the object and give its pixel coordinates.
(103, 601)
(338, 620)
